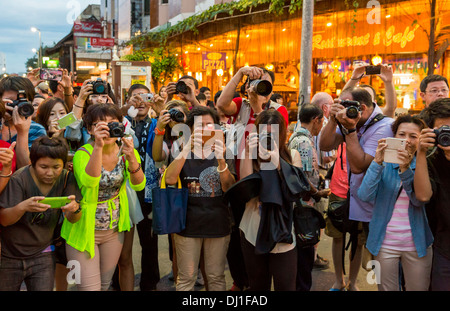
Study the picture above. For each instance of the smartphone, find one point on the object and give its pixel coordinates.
(67, 120)
(209, 134)
(373, 70)
(393, 145)
(56, 202)
(50, 74)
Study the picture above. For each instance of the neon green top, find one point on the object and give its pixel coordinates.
(81, 235)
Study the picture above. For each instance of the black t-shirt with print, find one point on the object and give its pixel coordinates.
(33, 232)
(208, 215)
(438, 209)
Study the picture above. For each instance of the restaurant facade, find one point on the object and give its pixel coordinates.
(395, 33)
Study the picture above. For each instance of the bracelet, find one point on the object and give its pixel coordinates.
(136, 170)
(7, 176)
(313, 194)
(82, 107)
(358, 78)
(158, 132)
(221, 171)
(350, 131)
(78, 210)
(68, 94)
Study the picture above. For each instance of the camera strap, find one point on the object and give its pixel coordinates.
(377, 118)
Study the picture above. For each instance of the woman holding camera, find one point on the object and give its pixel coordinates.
(398, 230)
(281, 262)
(101, 171)
(204, 171)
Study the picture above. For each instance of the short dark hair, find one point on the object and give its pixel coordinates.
(275, 97)
(203, 89)
(360, 95)
(45, 109)
(440, 108)
(44, 146)
(271, 74)
(308, 112)
(136, 87)
(53, 86)
(16, 83)
(429, 79)
(201, 96)
(192, 78)
(407, 118)
(201, 111)
(370, 87)
(100, 112)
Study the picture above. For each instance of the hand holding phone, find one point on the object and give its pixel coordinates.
(55, 202)
(392, 147)
(50, 74)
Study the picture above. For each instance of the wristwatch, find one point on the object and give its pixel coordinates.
(348, 131)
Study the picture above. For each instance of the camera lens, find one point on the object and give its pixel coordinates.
(352, 112)
(25, 109)
(116, 129)
(176, 115)
(181, 87)
(443, 139)
(262, 87)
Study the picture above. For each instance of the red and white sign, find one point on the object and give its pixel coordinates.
(102, 42)
(87, 27)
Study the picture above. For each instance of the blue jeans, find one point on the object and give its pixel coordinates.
(38, 273)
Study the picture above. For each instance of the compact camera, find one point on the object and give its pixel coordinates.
(176, 115)
(352, 108)
(99, 86)
(116, 129)
(181, 87)
(147, 97)
(25, 108)
(443, 136)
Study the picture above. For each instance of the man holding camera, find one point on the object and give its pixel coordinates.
(187, 90)
(431, 184)
(17, 93)
(355, 119)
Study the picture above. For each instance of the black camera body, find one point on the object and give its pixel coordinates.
(443, 136)
(25, 108)
(353, 108)
(261, 87)
(116, 129)
(176, 115)
(99, 86)
(181, 87)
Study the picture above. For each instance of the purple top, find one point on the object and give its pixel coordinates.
(359, 210)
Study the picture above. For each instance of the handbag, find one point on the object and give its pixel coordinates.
(307, 224)
(169, 208)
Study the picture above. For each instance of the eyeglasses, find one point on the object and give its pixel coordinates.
(437, 91)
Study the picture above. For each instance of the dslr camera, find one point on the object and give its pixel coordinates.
(176, 115)
(443, 136)
(352, 108)
(25, 108)
(99, 86)
(116, 129)
(181, 87)
(261, 87)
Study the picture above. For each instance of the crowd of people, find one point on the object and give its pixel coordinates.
(100, 161)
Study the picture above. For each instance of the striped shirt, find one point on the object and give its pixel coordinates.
(398, 231)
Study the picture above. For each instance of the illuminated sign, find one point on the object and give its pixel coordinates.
(214, 60)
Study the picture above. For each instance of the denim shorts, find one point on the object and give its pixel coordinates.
(38, 273)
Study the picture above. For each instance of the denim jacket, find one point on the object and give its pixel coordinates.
(381, 185)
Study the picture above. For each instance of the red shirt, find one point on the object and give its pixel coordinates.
(251, 120)
(4, 144)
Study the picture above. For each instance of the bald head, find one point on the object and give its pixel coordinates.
(323, 101)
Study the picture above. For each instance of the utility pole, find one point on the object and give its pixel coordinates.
(304, 96)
